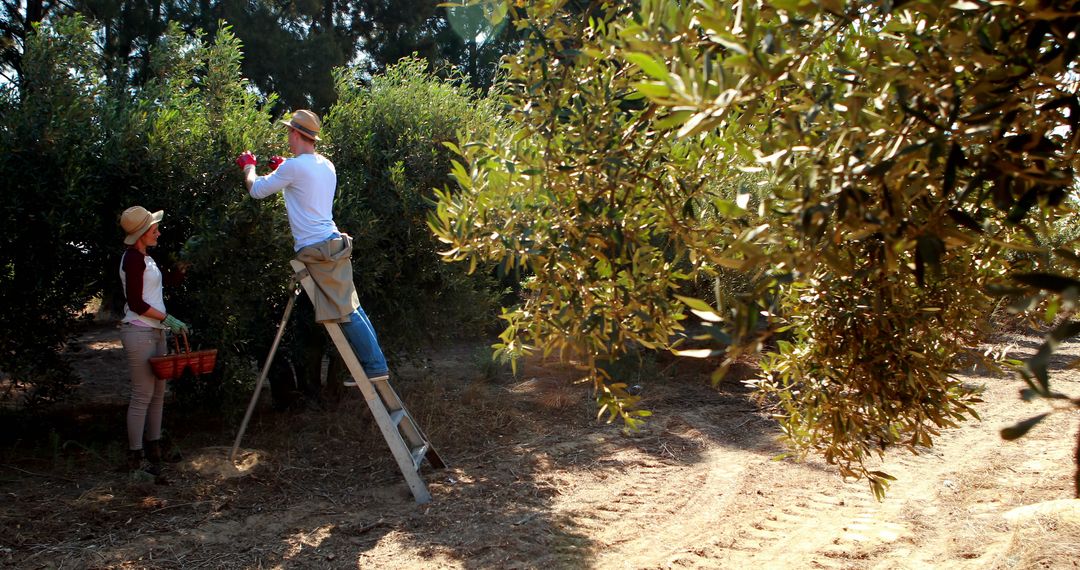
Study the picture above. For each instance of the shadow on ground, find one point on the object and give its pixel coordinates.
(328, 493)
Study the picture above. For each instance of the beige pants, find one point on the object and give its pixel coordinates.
(147, 392)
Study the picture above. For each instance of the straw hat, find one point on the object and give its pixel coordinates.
(306, 123)
(136, 220)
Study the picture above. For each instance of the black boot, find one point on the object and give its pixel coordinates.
(152, 449)
(136, 472)
(153, 455)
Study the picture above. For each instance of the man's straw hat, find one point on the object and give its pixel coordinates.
(136, 220)
(306, 123)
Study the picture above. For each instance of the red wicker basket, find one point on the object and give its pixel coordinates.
(172, 366)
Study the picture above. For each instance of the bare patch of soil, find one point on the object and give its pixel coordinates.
(533, 481)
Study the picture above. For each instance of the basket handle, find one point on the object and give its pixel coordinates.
(176, 342)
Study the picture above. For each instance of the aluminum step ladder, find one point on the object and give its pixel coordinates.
(406, 440)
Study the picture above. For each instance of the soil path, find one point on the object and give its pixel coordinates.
(533, 482)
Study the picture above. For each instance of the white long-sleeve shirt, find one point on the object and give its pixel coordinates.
(146, 288)
(308, 183)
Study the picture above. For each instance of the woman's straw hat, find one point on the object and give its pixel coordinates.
(306, 123)
(136, 220)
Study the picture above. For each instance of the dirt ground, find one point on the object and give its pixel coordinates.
(534, 481)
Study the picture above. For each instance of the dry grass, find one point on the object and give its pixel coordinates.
(1044, 541)
(552, 393)
(529, 470)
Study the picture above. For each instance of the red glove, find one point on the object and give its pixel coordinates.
(245, 159)
(275, 161)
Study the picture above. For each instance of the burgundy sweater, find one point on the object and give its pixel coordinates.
(134, 265)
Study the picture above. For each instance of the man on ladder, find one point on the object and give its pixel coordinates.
(308, 182)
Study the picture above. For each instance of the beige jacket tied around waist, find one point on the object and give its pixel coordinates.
(330, 267)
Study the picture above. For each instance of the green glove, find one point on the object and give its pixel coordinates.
(175, 325)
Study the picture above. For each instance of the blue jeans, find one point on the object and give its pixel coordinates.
(361, 336)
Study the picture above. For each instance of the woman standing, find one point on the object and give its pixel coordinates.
(143, 336)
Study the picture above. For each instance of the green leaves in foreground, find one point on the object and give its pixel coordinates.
(907, 166)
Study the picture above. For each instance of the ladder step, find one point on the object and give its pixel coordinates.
(418, 455)
(397, 415)
(377, 380)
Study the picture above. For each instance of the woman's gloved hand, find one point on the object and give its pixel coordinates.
(175, 325)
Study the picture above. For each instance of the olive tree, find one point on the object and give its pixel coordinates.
(912, 146)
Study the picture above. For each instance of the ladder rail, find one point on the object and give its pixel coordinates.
(408, 443)
(402, 454)
(262, 375)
